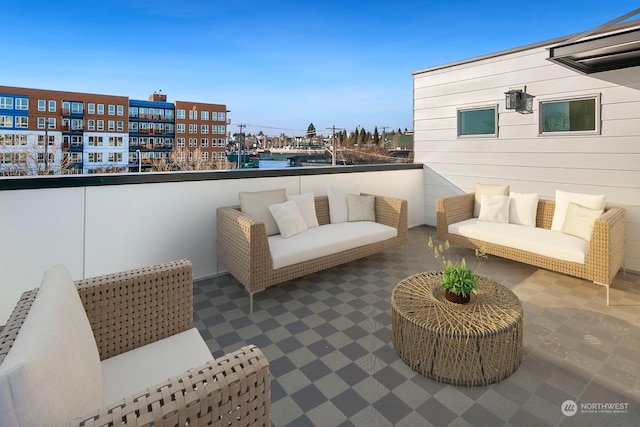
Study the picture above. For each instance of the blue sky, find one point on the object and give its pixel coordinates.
(277, 65)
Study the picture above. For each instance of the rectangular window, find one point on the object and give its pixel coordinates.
(221, 116)
(95, 157)
(180, 114)
(91, 108)
(111, 125)
(91, 124)
(205, 156)
(115, 157)
(112, 110)
(119, 125)
(6, 103)
(221, 129)
(214, 116)
(77, 108)
(571, 115)
(22, 103)
(41, 122)
(51, 122)
(180, 127)
(193, 142)
(100, 124)
(204, 129)
(204, 115)
(52, 106)
(42, 105)
(204, 142)
(478, 122)
(120, 110)
(77, 124)
(193, 128)
(22, 122)
(6, 121)
(100, 109)
(193, 114)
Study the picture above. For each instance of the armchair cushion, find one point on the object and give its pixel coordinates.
(135, 370)
(52, 373)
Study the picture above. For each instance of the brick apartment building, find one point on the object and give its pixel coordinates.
(48, 131)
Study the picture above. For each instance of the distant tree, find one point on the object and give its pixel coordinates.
(311, 131)
(399, 130)
(356, 135)
(363, 137)
(376, 136)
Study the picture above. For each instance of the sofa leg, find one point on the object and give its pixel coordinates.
(606, 286)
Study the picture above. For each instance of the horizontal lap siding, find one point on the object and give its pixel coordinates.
(608, 163)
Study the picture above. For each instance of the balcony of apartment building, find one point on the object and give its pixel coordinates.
(328, 335)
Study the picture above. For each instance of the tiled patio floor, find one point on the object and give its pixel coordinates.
(328, 339)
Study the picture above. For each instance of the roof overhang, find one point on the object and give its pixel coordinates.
(603, 53)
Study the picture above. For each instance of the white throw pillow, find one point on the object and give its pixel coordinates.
(579, 221)
(490, 190)
(256, 204)
(361, 208)
(494, 208)
(52, 374)
(523, 208)
(307, 207)
(338, 208)
(563, 199)
(288, 218)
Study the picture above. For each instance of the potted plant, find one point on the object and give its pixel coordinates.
(458, 280)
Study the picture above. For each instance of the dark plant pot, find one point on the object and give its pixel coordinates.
(458, 299)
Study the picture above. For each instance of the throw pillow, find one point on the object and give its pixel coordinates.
(490, 190)
(338, 208)
(563, 199)
(307, 207)
(52, 373)
(361, 208)
(579, 221)
(256, 204)
(523, 208)
(494, 208)
(288, 218)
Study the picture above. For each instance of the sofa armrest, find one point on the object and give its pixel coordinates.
(392, 212)
(450, 210)
(130, 309)
(243, 247)
(606, 250)
(231, 390)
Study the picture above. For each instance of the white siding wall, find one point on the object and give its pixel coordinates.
(597, 164)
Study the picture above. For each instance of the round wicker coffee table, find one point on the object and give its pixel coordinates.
(472, 344)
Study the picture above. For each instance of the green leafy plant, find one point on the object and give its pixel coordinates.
(457, 277)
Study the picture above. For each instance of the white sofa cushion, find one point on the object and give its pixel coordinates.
(338, 207)
(326, 240)
(494, 208)
(523, 208)
(307, 207)
(361, 208)
(146, 366)
(490, 190)
(540, 241)
(563, 198)
(288, 218)
(52, 373)
(579, 221)
(256, 204)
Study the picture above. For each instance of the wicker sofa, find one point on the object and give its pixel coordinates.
(604, 254)
(141, 321)
(243, 244)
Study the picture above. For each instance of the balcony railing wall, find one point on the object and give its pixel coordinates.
(105, 224)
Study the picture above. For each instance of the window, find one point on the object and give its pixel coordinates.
(193, 142)
(42, 105)
(100, 108)
(133, 111)
(115, 157)
(22, 103)
(52, 106)
(120, 110)
(119, 125)
(41, 122)
(51, 122)
(6, 121)
(92, 141)
(221, 129)
(6, 103)
(193, 128)
(180, 127)
(77, 107)
(204, 142)
(95, 157)
(111, 125)
(205, 156)
(221, 116)
(100, 124)
(112, 110)
(204, 129)
(180, 142)
(91, 108)
(214, 116)
(571, 115)
(77, 124)
(91, 124)
(193, 114)
(180, 114)
(479, 122)
(21, 140)
(22, 122)
(204, 115)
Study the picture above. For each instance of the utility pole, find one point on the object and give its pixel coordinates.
(241, 137)
(334, 141)
(384, 141)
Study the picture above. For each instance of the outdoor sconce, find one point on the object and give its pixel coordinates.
(519, 100)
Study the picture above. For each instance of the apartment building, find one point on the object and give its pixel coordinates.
(94, 133)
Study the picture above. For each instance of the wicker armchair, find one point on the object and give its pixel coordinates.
(131, 309)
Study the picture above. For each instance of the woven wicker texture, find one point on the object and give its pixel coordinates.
(243, 247)
(472, 344)
(140, 305)
(604, 257)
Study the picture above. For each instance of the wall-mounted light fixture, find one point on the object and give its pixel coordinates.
(519, 100)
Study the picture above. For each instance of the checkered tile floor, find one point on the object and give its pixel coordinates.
(328, 339)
